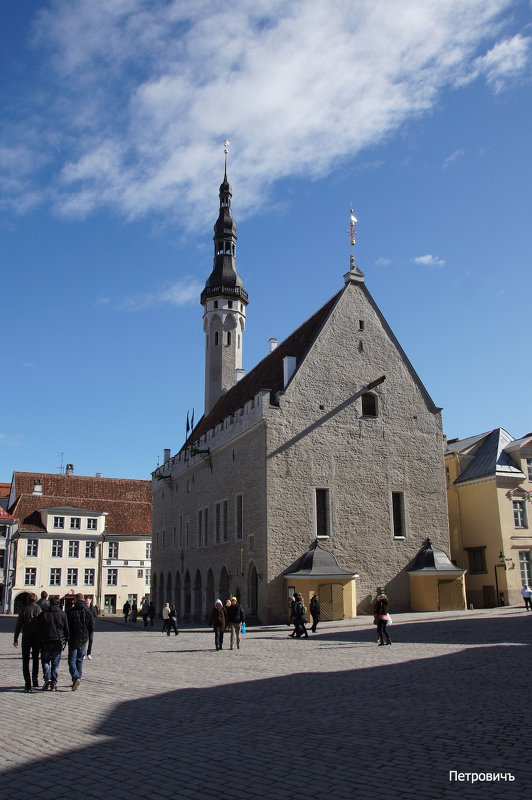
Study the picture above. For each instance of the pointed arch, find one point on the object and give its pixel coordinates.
(198, 597)
(187, 597)
(224, 585)
(177, 596)
(253, 590)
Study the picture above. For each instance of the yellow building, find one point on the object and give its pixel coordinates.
(489, 491)
(80, 534)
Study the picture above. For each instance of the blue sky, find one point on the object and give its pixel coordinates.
(114, 116)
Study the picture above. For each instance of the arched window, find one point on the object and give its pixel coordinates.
(215, 338)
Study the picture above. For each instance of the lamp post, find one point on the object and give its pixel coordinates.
(501, 564)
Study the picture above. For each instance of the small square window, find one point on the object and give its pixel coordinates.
(75, 523)
(59, 522)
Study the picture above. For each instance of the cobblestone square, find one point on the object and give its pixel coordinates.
(329, 718)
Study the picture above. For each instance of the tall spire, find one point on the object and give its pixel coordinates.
(355, 275)
(224, 280)
(224, 300)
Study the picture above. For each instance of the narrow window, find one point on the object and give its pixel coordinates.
(200, 526)
(205, 527)
(529, 468)
(112, 577)
(75, 523)
(225, 520)
(147, 577)
(216, 338)
(217, 519)
(72, 576)
(59, 522)
(92, 524)
(239, 517)
(477, 559)
(228, 338)
(57, 548)
(361, 325)
(398, 515)
(113, 550)
(148, 549)
(525, 565)
(322, 512)
(520, 520)
(90, 549)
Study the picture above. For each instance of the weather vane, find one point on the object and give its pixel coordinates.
(352, 235)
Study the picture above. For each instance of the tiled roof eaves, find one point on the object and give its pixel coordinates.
(267, 375)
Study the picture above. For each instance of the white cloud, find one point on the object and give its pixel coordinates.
(136, 99)
(383, 261)
(506, 61)
(179, 293)
(459, 153)
(429, 261)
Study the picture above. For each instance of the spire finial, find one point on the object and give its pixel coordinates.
(226, 150)
(354, 274)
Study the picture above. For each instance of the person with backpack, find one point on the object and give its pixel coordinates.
(27, 625)
(53, 634)
(81, 625)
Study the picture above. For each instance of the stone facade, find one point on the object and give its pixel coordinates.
(332, 436)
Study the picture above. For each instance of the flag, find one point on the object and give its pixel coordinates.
(353, 218)
(188, 425)
(192, 420)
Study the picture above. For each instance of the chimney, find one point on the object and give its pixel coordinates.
(167, 453)
(273, 344)
(239, 374)
(289, 367)
(98, 474)
(37, 486)
(69, 469)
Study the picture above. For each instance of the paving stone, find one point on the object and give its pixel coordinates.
(329, 719)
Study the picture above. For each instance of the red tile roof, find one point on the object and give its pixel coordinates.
(128, 503)
(268, 374)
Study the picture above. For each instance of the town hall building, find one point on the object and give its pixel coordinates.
(320, 470)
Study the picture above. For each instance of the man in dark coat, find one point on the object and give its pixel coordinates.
(27, 624)
(235, 618)
(81, 625)
(315, 611)
(53, 632)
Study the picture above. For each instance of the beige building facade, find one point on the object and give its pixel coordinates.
(80, 534)
(331, 439)
(489, 494)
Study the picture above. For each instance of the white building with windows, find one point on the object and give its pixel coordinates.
(80, 534)
(320, 469)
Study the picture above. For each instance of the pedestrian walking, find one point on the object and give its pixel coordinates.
(166, 617)
(315, 611)
(526, 594)
(151, 613)
(80, 625)
(299, 617)
(145, 612)
(235, 618)
(172, 621)
(43, 602)
(126, 608)
(217, 623)
(94, 611)
(134, 611)
(53, 635)
(27, 624)
(381, 618)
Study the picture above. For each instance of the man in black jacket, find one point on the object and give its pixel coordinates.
(27, 624)
(81, 625)
(235, 617)
(53, 631)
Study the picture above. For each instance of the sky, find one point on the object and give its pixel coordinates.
(114, 113)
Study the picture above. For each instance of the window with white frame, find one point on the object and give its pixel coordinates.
(30, 576)
(72, 576)
(75, 523)
(529, 468)
(73, 548)
(59, 522)
(55, 576)
(520, 519)
(92, 523)
(147, 577)
(239, 517)
(525, 565)
(112, 577)
(57, 548)
(112, 550)
(88, 576)
(148, 549)
(90, 549)
(322, 500)
(32, 547)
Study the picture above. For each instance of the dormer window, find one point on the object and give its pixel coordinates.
(92, 524)
(75, 523)
(59, 522)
